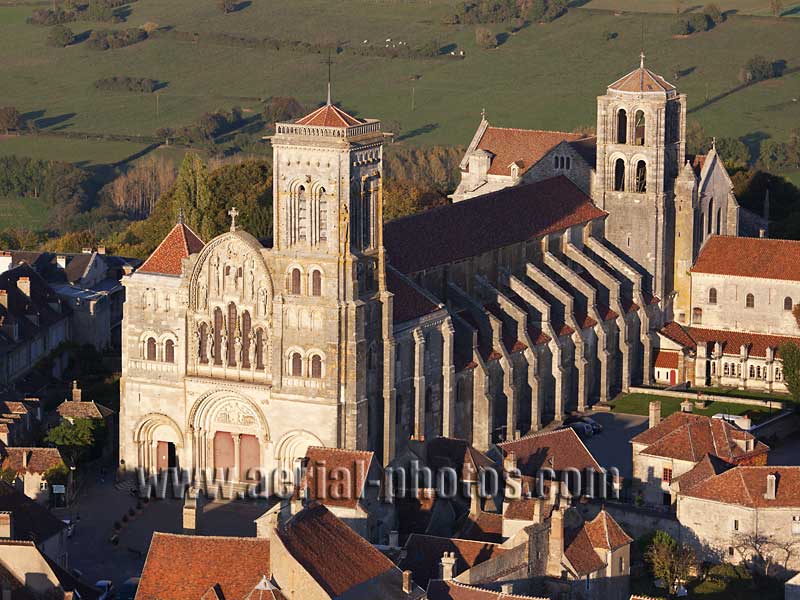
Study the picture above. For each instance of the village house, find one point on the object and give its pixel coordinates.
(31, 466)
(23, 519)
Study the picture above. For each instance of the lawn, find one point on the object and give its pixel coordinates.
(638, 404)
(544, 76)
(84, 152)
(741, 7)
(25, 213)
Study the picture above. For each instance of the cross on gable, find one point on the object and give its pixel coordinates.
(233, 214)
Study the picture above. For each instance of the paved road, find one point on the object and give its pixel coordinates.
(611, 448)
(786, 453)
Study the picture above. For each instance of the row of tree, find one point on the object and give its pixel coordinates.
(118, 83)
(105, 11)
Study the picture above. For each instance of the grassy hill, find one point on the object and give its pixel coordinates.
(544, 76)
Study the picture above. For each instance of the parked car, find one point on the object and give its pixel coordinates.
(596, 427)
(581, 428)
(106, 588)
(127, 591)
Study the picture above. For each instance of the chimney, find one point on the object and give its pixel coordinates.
(5, 261)
(394, 538)
(772, 487)
(6, 592)
(762, 233)
(407, 585)
(61, 261)
(474, 499)
(24, 285)
(6, 525)
(76, 391)
(655, 413)
(507, 588)
(101, 249)
(447, 566)
(25, 453)
(510, 462)
(687, 406)
(538, 510)
(555, 548)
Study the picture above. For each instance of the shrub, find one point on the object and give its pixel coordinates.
(713, 13)
(609, 35)
(485, 38)
(698, 22)
(46, 16)
(680, 27)
(758, 68)
(555, 8)
(100, 10)
(126, 84)
(60, 36)
(226, 6)
(112, 39)
(537, 10)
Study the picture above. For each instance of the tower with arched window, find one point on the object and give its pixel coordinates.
(640, 145)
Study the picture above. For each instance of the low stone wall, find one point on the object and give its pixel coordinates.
(693, 395)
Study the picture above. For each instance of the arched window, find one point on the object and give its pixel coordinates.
(712, 296)
(316, 366)
(719, 220)
(323, 215)
(297, 364)
(619, 175)
(750, 301)
(710, 224)
(246, 328)
(787, 303)
(726, 369)
(294, 281)
(638, 136)
(752, 371)
(555, 162)
(316, 283)
(569, 161)
(302, 213)
(232, 330)
(218, 323)
(259, 348)
(203, 343)
(151, 348)
(641, 177)
(622, 126)
(169, 351)
(697, 316)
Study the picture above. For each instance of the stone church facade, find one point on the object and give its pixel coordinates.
(480, 320)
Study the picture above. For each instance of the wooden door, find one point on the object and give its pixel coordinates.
(223, 451)
(249, 457)
(672, 376)
(162, 456)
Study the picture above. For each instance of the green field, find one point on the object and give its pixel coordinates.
(84, 152)
(638, 404)
(544, 76)
(740, 7)
(25, 213)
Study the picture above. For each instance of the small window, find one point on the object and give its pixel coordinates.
(294, 281)
(151, 348)
(666, 475)
(752, 371)
(316, 366)
(42, 486)
(622, 126)
(569, 163)
(750, 301)
(735, 525)
(712, 296)
(316, 283)
(730, 550)
(787, 303)
(621, 564)
(297, 365)
(169, 351)
(619, 175)
(697, 316)
(555, 162)
(796, 525)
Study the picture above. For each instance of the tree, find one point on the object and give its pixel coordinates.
(776, 6)
(734, 153)
(10, 119)
(8, 475)
(758, 68)
(226, 6)
(714, 14)
(60, 36)
(57, 475)
(680, 27)
(697, 141)
(698, 22)
(193, 196)
(763, 552)
(790, 356)
(137, 191)
(485, 38)
(537, 10)
(73, 440)
(669, 560)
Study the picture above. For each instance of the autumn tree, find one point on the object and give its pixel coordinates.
(10, 119)
(485, 38)
(669, 560)
(790, 357)
(136, 192)
(60, 36)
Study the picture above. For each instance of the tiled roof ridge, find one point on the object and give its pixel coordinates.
(182, 229)
(209, 537)
(341, 450)
(580, 136)
(500, 595)
(746, 489)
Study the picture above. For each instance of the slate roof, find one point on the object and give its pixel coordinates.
(459, 455)
(558, 450)
(333, 554)
(746, 486)
(515, 214)
(334, 462)
(642, 80)
(689, 437)
(77, 264)
(409, 301)
(525, 147)
(423, 554)
(70, 409)
(40, 460)
(731, 341)
(187, 567)
(166, 259)
(329, 115)
(32, 521)
(761, 258)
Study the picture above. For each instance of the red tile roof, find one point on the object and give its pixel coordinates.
(453, 590)
(423, 554)
(409, 302)
(746, 486)
(604, 532)
(166, 259)
(523, 508)
(761, 258)
(666, 360)
(186, 567)
(642, 80)
(329, 116)
(483, 527)
(687, 436)
(334, 463)
(707, 467)
(731, 341)
(40, 460)
(512, 215)
(560, 449)
(601, 533)
(526, 147)
(333, 554)
(457, 454)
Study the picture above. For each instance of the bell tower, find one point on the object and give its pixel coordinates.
(327, 235)
(640, 147)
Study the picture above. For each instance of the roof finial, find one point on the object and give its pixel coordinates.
(180, 215)
(483, 114)
(714, 143)
(329, 62)
(641, 60)
(233, 214)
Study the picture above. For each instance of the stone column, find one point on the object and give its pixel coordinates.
(581, 366)
(237, 439)
(448, 378)
(605, 363)
(419, 384)
(534, 384)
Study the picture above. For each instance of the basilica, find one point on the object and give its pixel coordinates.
(540, 291)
